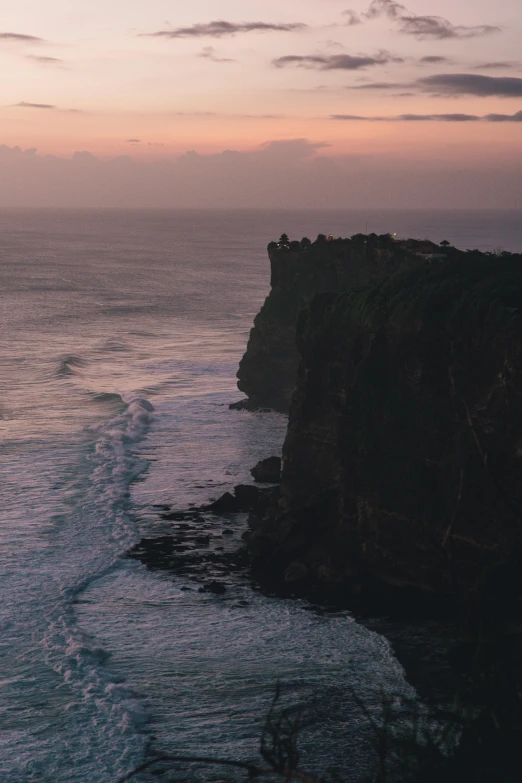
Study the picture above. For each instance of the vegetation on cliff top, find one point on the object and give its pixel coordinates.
(473, 287)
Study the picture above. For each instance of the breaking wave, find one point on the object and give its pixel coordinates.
(70, 365)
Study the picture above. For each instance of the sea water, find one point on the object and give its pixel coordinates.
(120, 337)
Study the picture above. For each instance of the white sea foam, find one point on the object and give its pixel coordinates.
(101, 717)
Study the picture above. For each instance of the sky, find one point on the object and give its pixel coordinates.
(247, 103)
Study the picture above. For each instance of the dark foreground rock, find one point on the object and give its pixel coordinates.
(267, 471)
(218, 588)
(200, 545)
(245, 497)
(226, 504)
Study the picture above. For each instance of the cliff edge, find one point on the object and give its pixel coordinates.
(300, 270)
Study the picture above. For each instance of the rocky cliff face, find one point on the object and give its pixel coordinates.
(267, 371)
(403, 458)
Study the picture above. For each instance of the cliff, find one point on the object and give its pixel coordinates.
(402, 477)
(268, 370)
(402, 464)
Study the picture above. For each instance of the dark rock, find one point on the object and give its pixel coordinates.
(296, 572)
(248, 405)
(329, 575)
(227, 532)
(267, 471)
(226, 504)
(218, 588)
(247, 496)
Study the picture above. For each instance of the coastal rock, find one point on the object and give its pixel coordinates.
(226, 504)
(267, 471)
(403, 456)
(218, 588)
(247, 496)
(296, 572)
(267, 371)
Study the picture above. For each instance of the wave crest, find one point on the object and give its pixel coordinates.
(69, 365)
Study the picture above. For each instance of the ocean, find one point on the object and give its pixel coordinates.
(121, 332)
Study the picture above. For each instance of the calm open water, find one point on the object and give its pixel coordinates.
(120, 338)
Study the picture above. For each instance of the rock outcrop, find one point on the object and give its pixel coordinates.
(267, 471)
(402, 464)
(299, 271)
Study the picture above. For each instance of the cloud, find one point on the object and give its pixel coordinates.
(434, 59)
(293, 148)
(27, 105)
(378, 86)
(221, 28)
(43, 60)
(455, 84)
(440, 117)
(506, 64)
(291, 174)
(209, 53)
(410, 118)
(133, 141)
(455, 117)
(504, 117)
(352, 18)
(20, 37)
(332, 62)
(424, 27)
(387, 8)
(48, 106)
(472, 84)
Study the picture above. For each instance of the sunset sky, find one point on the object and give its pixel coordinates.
(431, 84)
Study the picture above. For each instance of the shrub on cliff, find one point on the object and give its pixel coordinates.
(411, 745)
